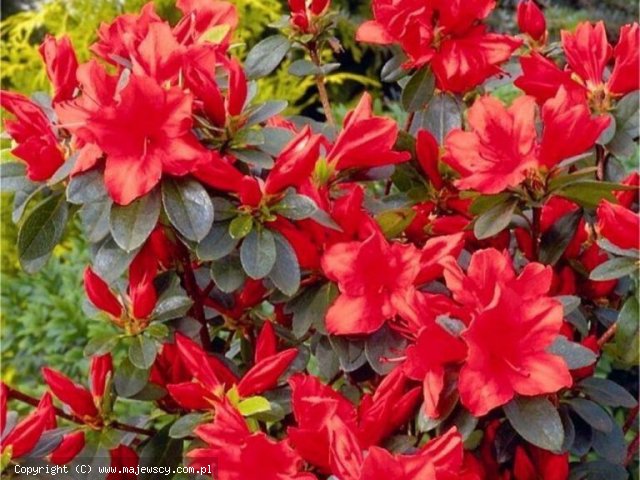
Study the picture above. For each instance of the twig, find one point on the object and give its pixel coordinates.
(633, 414)
(535, 232)
(34, 402)
(632, 450)
(601, 162)
(606, 336)
(195, 294)
(322, 89)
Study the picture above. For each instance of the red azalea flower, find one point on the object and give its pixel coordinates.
(201, 16)
(60, 60)
(532, 463)
(84, 404)
(619, 225)
(531, 20)
(303, 14)
(502, 147)
(70, 446)
(507, 354)
(123, 457)
(588, 53)
(146, 134)
(446, 34)
(37, 142)
(235, 453)
(25, 435)
(366, 140)
(594, 289)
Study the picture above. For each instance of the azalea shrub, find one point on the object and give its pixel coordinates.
(455, 297)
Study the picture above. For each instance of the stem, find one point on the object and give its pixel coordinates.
(407, 125)
(29, 400)
(633, 414)
(535, 232)
(191, 286)
(322, 89)
(601, 162)
(633, 450)
(606, 336)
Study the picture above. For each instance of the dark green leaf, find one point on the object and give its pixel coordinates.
(13, 176)
(443, 114)
(265, 56)
(589, 193)
(592, 413)
(227, 273)
(310, 307)
(303, 68)
(128, 379)
(418, 90)
(188, 207)
(160, 450)
(184, 426)
(569, 303)
(296, 207)
(482, 203)
(394, 222)
(555, 240)
(606, 392)
(142, 352)
(110, 261)
(614, 268)
(610, 445)
(257, 158)
(65, 169)
(100, 345)
(537, 421)
(383, 345)
(223, 208)
(598, 470)
(217, 244)
(494, 220)
(86, 187)
(258, 253)
(22, 198)
(622, 252)
(624, 142)
(574, 354)
(132, 224)
(350, 353)
(173, 306)
(285, 274)
(265, 111)
(392, 71)
(625, 346)
(42, 228)
(95, 219)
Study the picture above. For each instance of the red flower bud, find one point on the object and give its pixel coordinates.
(531, 20)
(101, 368)
(100, 294)
(78, 398)
(71, 445)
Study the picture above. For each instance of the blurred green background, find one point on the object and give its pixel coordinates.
(41, 315)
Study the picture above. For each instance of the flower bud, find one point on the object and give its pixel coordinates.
(531, 20)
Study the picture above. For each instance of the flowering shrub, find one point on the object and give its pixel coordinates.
(456, 298)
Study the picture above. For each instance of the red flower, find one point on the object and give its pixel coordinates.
(61, 62)
(427, 363)
(85, 404)
(366, 140)
(100, 295)
(237, 454)
(123, 457)
(507, 353)
(500, 149)
(201, 16)
(532, 463)
(295, 162)
(371, 290)
(445, 34)
(22, 438)
(428, 152)
(70, 446)
(531, 20)
(619, 225)
(146, 134)
(303, 14)
(37, 142)
(588, 53)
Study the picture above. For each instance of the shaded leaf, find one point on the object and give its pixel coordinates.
(265, 56)
(537, 421)
(132, 224)
(258, 253)
(494, 220)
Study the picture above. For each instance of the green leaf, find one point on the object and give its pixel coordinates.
(42, 229)
(418, 90)
(623, 144)
(555, 240)
(265, 111)
(592, 413)
(622, 252)
(223, 208)
(258, 253)
(240, 226)
(142, 352)
(100, 345)
(86, 187)
(128, 379)
(228, 274)
(570, 303)
(110, 261)
(184, 426)
(285, 274)
(173, 306)
(22, 198)
(614, 268)
(188, 207)
(394, 222)
(610, 445)
(537, 421)
(217, 244)
(606, 392)
(382, 345)
(574, 354)
(392, 70)
(132, 224)
(482, 203)
(625, 346)
(64, 170)
(310, 307)
(160, 450)
(266, 55)
(494, 220)
(350, 353)
(303, 68)
(257, 158)
(253, 405)
(157, 330)
(589, 193)
(296, 207)
(13, 176)
(598, 470)
(443, 114)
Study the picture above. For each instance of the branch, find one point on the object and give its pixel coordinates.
(322, 89)
(601, 162)
(191, 286)
(535, 232)
(34, 402)
(606, 336)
